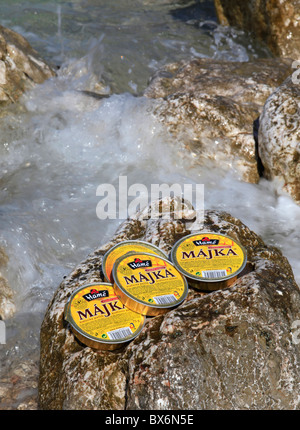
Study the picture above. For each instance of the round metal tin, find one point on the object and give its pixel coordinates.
(99, 319)
(123, 248)
(209, 261)
(148, 284)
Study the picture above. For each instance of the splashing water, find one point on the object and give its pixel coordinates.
(65, 145)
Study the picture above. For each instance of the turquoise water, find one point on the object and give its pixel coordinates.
(57, 145)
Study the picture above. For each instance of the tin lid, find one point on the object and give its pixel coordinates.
(122, 248)
(209, 257)
(97, 315)
(149, 280)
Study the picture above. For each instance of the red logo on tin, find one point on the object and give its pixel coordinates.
(94, 291)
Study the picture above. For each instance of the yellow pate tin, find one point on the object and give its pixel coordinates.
(148, 284)
(122, 248)
(209, 261)
(99, 319)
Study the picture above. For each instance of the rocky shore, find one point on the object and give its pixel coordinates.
(212, 106)
(231, 349)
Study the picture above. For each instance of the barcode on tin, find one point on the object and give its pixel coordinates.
(165, 300)
(120, 333)
(212, 274)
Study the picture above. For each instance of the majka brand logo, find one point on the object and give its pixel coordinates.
(206, 241)
(95, 294)
(137, 263)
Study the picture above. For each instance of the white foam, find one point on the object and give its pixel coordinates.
(79, 143)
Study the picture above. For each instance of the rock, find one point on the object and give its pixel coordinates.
(211, 107)
(7, 306)
(18, 388)
(21, 67)
(231, 349)
(279, 136)
(19, 361)
(277, 23)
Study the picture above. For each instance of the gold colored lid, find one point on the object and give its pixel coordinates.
(122, 248)
(148, 283)
(100, 319)
(209, 257)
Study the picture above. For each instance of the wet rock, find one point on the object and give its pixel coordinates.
(19, 362)
(21, 67)
(18, 388)
(7, 306)
(211, 106)
(233, 351)
(279, 136)
(276, 23)
(230, 349)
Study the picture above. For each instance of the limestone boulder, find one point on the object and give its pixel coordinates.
(21, 67)
(211, 107)
(276, 22)
(279, 136)
(231, 349)
(7, 305)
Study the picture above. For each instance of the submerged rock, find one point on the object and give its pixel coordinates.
(279, 136)
(211, 107)
(21, 67)
(276, 22)
(231, 349)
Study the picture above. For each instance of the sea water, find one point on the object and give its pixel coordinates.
(59, 143)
